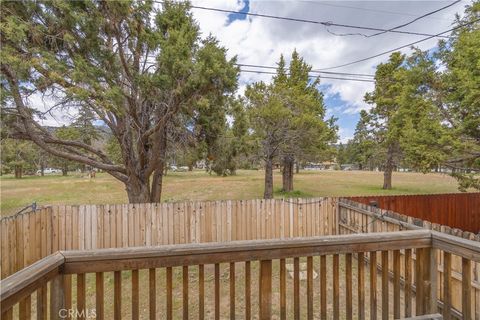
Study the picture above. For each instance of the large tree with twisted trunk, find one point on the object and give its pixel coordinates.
(140, 70)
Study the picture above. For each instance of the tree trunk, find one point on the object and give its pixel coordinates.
(387, 173)
(18, 171)
(138, 191)
(297, 168)
(65, 170)
(268, 193)
(157, 183)
(287, 175)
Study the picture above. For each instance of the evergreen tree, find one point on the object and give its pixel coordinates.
(137, 69)
(287, 118)
(459, 96)
(363, 146)
(386, 119)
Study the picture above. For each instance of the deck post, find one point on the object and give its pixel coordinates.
(265, 290)
(466, 288)
(431, 280)
(57, 299)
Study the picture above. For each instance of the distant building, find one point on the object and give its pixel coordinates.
(326, 165)
(349, 167)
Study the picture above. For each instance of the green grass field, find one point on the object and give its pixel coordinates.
(198, 185)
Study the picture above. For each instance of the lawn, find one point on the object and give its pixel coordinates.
(198, 185)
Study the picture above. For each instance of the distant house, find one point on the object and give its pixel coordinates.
(326, 165)
(329, 165)
(349, 167)
(313, 166)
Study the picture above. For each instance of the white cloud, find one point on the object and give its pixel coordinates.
(260, 41)
(50, 114)
(345, 134)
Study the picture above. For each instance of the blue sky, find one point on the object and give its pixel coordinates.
(237, 16)
(346, 120)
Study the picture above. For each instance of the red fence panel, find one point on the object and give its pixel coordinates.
(456, 210)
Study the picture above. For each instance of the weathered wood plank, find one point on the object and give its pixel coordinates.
(232, 290)
(373, 285)
(348, 287)
(185, 291)
(99, 295)
(42, 303)
(135, 295)
(248, 308)
(396, 284)
(408, 283)
(361, 285)
(152, 293)
(81, 292)
(169, 292)
(237, 251)
(336, 286)
(309, 288)
(385, 282)
(23, 283)
(265, 290)
(217, 291)
(201, 292)
(296, 288)
(283, 290)
(447, 285)
(419, 285)
(467, 288)
(117, 295)
(57, 302)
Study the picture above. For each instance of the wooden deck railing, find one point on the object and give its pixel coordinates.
(176, 281)
(360, 218)
(455, 210)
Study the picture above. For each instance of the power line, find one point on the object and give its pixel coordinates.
(324, 23)
(401, 47)
(312, 71)
(417, 18)
(372, 10)
(312, 76)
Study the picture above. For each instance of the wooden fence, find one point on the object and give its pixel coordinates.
(456, 210)
(355, 217)
(28, 237)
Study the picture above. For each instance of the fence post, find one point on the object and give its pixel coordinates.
(265, 290)
(57, 297)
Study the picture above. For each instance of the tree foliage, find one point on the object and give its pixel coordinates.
(426, 107)
(140, 71)
(362, 150)
(288, 119)
(459, 95)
